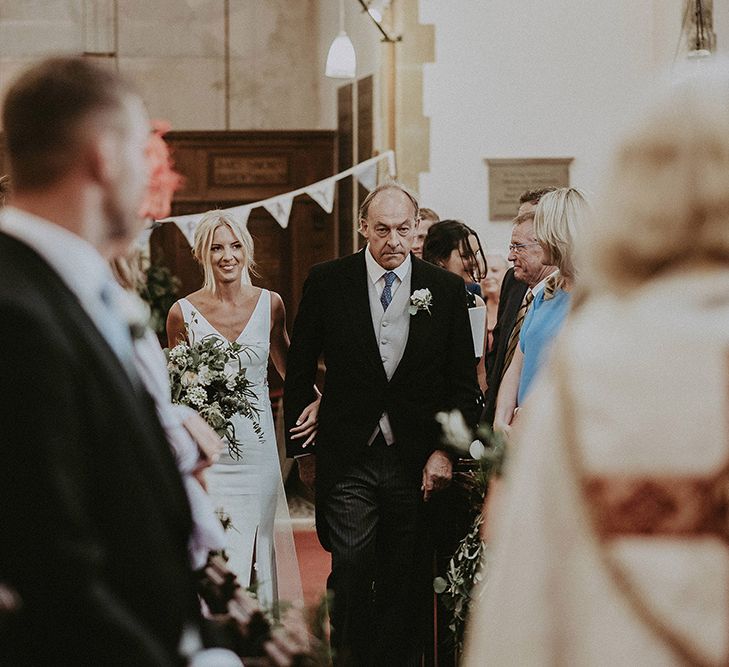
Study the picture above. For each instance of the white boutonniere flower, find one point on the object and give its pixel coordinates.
(420, 299)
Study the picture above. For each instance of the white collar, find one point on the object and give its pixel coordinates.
(75, 260)
(375, 271)
(539, 287)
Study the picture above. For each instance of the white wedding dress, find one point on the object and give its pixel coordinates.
(250, 489)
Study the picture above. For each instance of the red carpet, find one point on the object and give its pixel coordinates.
(315, 565)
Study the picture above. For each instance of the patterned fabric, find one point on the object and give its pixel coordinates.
(551, 285)
(514, 338)
(386, 297)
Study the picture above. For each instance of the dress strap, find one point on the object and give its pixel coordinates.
(187, 309)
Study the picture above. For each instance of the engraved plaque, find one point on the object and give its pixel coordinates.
(508, 179)
(234, 170)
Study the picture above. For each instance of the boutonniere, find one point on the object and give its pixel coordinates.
(420, 299)
(135, 312)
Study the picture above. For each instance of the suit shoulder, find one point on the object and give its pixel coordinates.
(335, 266)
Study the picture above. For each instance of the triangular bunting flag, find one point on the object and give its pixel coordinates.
(368, 176)
(280, 209)
(187, 225)
(240, 213)
(323, 193)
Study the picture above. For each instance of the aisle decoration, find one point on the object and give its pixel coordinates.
(466, 568)
(159, 290)
(322, 192)
(199, 379)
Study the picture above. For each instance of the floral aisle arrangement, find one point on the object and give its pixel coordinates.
(199, 380)
(159, 289)
(466, 567)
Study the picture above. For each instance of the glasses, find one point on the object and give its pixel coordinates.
(518, 247)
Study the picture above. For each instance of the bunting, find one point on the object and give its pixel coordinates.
(322, 192)
(280, 209)
(368, 177)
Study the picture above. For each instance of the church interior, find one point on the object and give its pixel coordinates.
(466, 103)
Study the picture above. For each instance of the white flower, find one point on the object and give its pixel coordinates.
(179, 350)
(204, 375)
(477, 450)
(196, 396)
(455, 430)
(188, 379)
(420, 299)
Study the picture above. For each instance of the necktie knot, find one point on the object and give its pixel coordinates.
(386, 296)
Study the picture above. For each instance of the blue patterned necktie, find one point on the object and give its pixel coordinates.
(386, 296)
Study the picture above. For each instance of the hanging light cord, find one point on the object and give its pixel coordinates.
(699, 25)
(386, 37)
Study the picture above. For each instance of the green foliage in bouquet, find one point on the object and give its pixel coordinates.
(159, 290)
(199, 379)
(466, 568)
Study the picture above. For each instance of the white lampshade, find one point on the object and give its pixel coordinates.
(341, 61)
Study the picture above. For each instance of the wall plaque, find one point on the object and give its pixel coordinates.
(509, 178)
(235, 170)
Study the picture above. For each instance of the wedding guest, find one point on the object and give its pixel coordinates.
(398, 350)
(95, 522)
(496, 267)
(611, 544)
(455, 247)
(519, 287)
(246, 483)
(557, 221)
(428, 217)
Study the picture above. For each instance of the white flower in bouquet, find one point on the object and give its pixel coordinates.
(199, 379)
(178, 351)
(188, 379)
(196, 396)
(204, 375)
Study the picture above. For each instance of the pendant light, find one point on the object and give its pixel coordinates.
(341, 60)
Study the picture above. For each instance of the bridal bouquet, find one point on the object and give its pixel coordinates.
(199, 380)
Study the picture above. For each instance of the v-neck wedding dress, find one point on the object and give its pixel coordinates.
(250, 489)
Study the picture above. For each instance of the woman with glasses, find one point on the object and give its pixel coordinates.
(557, 220)
(455, 247)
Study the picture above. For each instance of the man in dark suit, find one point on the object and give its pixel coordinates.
(94, 518)
(527, 274)
(395, 337)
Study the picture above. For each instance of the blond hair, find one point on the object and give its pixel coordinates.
(557, 221)
(667, 201)
(203, 241)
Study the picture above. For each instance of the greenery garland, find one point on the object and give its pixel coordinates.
(468, 564)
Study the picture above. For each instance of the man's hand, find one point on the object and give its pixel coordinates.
(307, 469)
(306, 424)
(437, 473)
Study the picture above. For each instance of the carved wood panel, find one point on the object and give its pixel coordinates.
(225, 169)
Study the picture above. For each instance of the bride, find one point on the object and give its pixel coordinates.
(249, 489)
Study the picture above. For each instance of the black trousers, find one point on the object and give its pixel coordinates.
(380, 582)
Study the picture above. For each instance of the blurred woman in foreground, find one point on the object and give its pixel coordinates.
(610, 542)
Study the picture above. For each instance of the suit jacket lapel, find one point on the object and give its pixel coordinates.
(358, 301)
